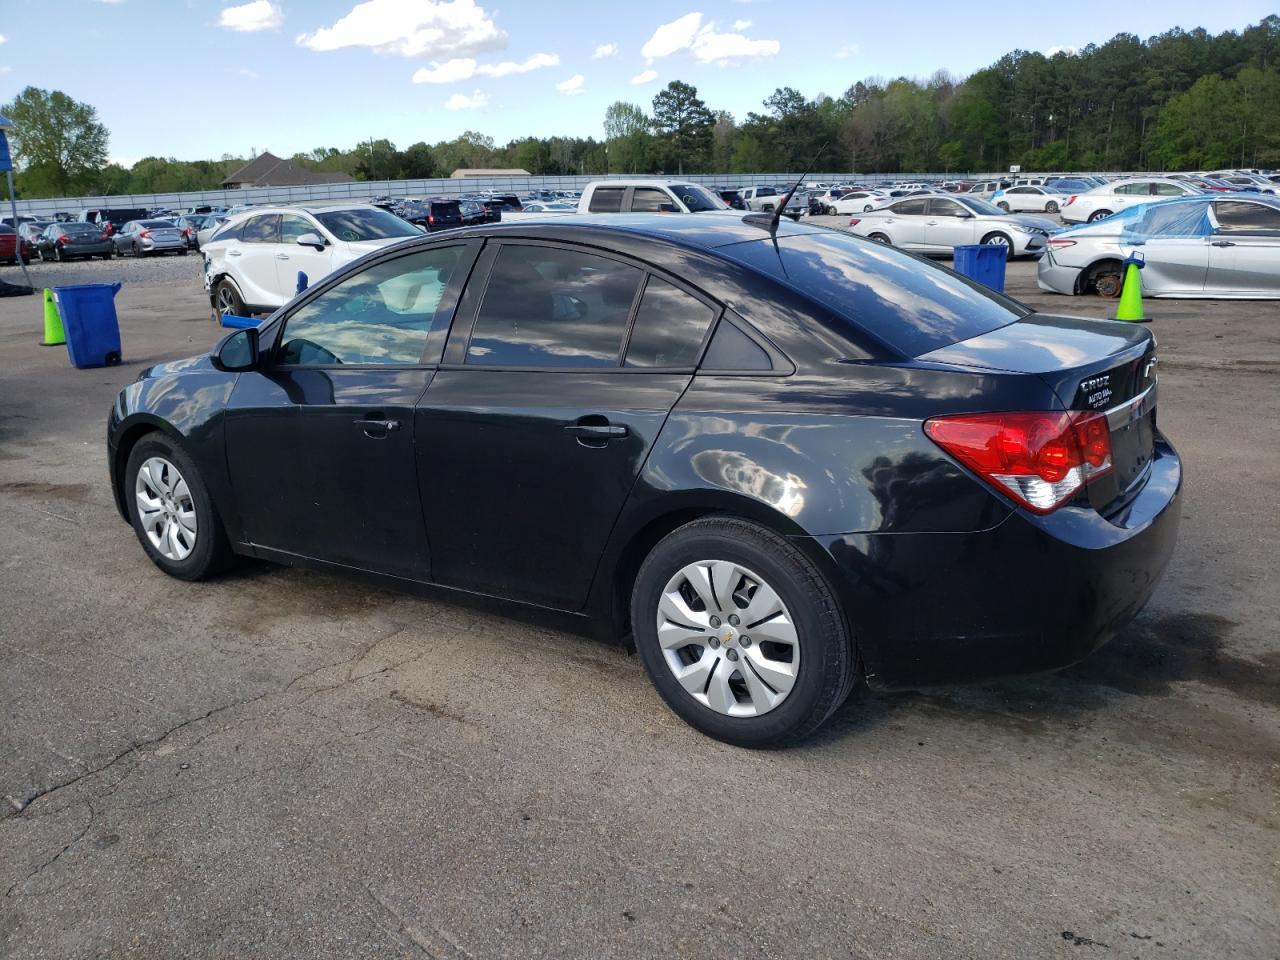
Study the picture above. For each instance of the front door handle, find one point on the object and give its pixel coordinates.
(376, 429)
(1223, 243)
(282, 256)
(595, 431)
(233, 253)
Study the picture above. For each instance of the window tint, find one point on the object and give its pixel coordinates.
(909, 208)
(293, 226)
(380, 315)
(945, 208)
(669, 327)
(606, 200)
(732, 350)
(546, 307)
(261, 229)
(649, 200)
(912, 306)
(1246, 217)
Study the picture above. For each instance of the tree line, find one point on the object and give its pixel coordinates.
(1179, 100)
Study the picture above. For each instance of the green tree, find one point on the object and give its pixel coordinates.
(685, 123)
(58, 139)
(627, 134)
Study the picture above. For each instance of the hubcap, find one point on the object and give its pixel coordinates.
(165, 508)
(998, 241)
(728, 638)
(225, 302)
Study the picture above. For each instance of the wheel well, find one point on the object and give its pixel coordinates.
(1087, 277)
(128, 440)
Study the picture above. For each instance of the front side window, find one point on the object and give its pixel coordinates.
(945, 208)
(293, 226)
(547, 307)
(264, 229)
(669, 327)
(381, 315)
(1237, 217)
(698, 199)
(606, 200)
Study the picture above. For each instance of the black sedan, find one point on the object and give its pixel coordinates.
(775, 462)
(67, 241)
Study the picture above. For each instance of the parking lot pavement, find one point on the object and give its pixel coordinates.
(285, 764)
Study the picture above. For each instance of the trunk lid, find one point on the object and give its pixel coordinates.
(1097, 365)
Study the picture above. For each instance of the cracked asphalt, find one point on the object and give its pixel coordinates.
(285, 764)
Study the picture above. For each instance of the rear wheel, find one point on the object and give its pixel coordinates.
(1003, 206)
(740, 633)
(1099, 215)
(137, 250)
(58, 255)
(881, 238)
(171, 511)
(868, 208)
(998, 239)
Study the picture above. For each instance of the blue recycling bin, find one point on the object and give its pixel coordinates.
(983, 262)
(89, 319)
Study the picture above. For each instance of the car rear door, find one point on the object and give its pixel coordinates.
(1244, 252)
(320, 439)
(906, 223)
(561, 370)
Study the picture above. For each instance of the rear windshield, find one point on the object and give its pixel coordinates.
(911, 304)
(373, 224)
(446, 209)
(81, 228)
(156, 224)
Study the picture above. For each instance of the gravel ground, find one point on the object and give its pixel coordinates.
(164, 269)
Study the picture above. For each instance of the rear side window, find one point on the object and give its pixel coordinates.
(909, 208)
(606, 200)
(547, 307)
(1167, 190)
(911, 306)
(265, 229)
(732, 351)
(669, 327)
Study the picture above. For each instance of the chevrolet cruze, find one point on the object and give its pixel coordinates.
(776, 459)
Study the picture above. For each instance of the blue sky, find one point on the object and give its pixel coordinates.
(198, 78)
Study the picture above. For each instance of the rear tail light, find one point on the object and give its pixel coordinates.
(853, 221)
(1072, 200)
(431, 218)
(1039, 459)
(63, 238)
(144, 233)
(1060, 243)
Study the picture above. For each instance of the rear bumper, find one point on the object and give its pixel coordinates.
(1055, 277)
(1028, 595)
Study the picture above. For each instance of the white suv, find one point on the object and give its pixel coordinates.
(1121, 195)
(252, 262)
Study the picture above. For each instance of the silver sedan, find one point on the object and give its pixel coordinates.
(144, 237)
(1214, 245)
(936, 224)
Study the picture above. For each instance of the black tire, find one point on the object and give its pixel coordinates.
(137, 250)
(212, 551)
(1099, 215)
(182, 252)
(1003, 206)
(999, 238)
(1051, 206)
(868, 208)
(827, 665)
(227, 299)
(880, 238)
(108, 255)
(57, 255)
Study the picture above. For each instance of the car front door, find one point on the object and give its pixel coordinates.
(560, 372)
(1244, 251)
(948, 225)
(320, 439)
(292, 258)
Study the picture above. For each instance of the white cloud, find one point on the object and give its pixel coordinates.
(411, 28)
(251, 74)
(642, 78)
(605, 50)
(251, 17)
(672, 37)
(1069, 51)
(3, 38)
(706, 43)
(573, 86)
(5, 68)
(847, 51)
(464, 68)
(460, 101)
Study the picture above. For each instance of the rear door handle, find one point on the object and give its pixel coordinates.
(377, 429)
(233, 253)
(1223, 243)
(282, 256)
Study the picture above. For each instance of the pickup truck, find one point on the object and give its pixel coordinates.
(647, 196)
(766, 199)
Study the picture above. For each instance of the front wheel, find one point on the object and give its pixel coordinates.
(1000, 240)
(1003, 206)
(1051, 207)
(741, 634)
(172, 514)
(1099, 215)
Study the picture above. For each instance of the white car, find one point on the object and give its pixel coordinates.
(648, 196)
(1029, 199)
(252, 262)
(938, 223)
(860, 201)
(1121, 195)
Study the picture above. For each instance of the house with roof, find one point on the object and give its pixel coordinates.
(268, 170)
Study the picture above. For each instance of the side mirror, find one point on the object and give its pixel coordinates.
(312, 240)
(237, 351)
(964, 215)
(668, 208)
